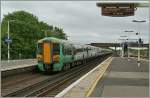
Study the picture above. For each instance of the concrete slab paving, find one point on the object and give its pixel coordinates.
(124, 78)
(143, 75)
(125, 91)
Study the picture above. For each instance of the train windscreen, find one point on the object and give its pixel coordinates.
(56, 49)
(40, 48)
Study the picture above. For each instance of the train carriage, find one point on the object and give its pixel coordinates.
(55, 54)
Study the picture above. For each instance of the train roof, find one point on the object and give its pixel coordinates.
(56, 40)
(53, 39)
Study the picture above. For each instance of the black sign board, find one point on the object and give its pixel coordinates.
(118, 10)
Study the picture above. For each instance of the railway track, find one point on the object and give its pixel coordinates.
(23, 87)
(53, 84)
(13, 80)
(54, 89)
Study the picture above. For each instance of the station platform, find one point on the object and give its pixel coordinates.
(17, 66)
(14, 64)
(115, 77)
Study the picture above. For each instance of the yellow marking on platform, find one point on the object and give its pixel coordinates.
(104, 67)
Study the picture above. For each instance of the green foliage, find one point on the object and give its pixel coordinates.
(25, 31)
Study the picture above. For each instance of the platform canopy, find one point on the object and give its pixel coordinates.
(120, 8)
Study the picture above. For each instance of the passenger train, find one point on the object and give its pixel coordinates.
(58, 55)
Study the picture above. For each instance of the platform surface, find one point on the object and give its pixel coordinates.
(14, 64)
(83, 86)
(124, 78)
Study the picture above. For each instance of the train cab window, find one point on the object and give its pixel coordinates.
(39, 48)
(56, 49)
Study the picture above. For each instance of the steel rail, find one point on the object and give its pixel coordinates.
(26, 89)
(56, 88)
(54, 85)
(44, 86)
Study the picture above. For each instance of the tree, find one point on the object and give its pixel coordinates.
(25, 31)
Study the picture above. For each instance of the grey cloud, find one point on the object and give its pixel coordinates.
(81, 20)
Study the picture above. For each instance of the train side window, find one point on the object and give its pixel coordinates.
(67, 50)
(87, 50)
(79, 50)
(56, 49)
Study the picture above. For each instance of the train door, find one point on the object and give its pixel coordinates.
(73, 52)
(47, 46)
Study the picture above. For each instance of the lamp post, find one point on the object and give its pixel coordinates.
(128, 43)
(8, 44)
(8, 38)
(138, 34)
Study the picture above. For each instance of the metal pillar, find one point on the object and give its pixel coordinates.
(8, 44)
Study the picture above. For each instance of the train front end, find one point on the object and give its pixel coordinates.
(47, 55)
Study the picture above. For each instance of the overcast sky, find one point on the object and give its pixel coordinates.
(82, 20)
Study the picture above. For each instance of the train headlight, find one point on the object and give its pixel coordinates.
(56, 58)
(39, 57)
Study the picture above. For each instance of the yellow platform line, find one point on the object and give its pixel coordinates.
(103, 69)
